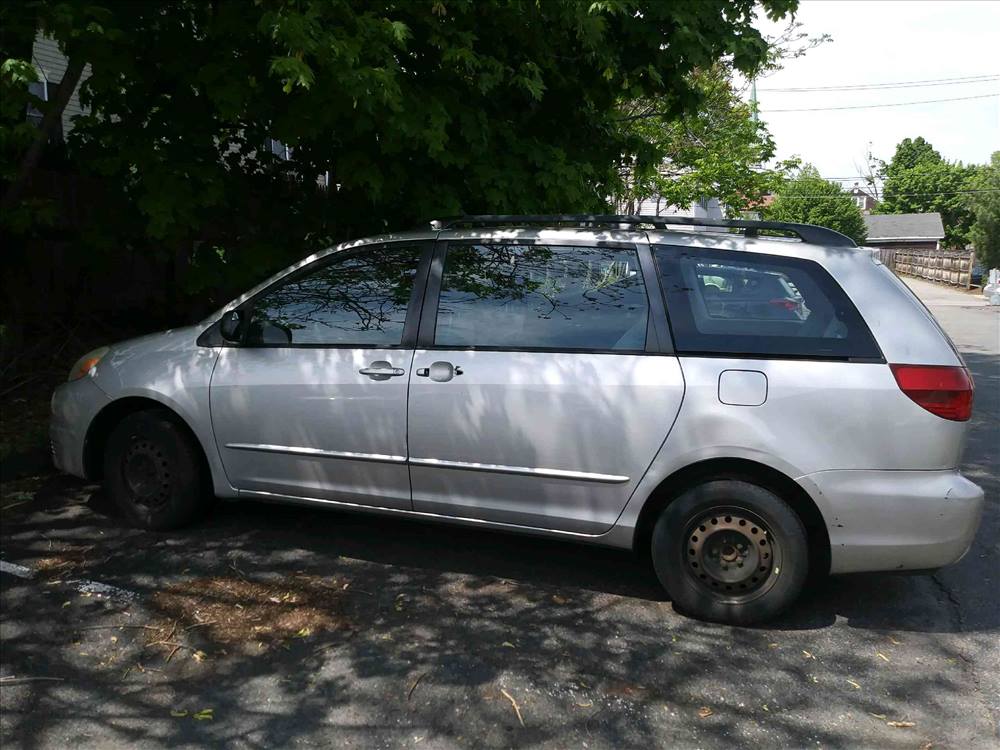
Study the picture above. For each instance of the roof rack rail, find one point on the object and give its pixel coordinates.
(805, 232)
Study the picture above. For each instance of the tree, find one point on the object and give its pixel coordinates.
(412, 109)
(909, 153)
(716, 150)
(46, 129)
(919, 180)
(809, 199)
(78, 26)
(872, 173)
(985, 206)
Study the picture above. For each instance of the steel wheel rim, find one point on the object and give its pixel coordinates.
(731, 554)
(146, 472)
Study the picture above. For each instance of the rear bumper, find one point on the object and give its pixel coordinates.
(74, 406)
(896, 520)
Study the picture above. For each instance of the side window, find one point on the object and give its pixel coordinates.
(758, 305)
(542, 297)
(359, 300)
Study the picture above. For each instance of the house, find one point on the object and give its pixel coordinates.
(905, 231)
(706, 208)
(862, 199)
(50, 63)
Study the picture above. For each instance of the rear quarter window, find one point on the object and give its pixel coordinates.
(753, 304)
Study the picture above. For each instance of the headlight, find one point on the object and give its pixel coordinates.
(86, 363)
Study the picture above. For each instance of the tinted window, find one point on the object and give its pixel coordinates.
(542, 297)
(359, 300)
(748, 303)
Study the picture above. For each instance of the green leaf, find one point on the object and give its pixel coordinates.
(400, 32)
(293, 72)
(18, 72)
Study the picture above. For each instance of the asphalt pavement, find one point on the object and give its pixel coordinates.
(272, 626)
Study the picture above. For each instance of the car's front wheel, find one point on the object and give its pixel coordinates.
(730, 551)
(153, 471)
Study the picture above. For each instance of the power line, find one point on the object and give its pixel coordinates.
(875, 106)
(897, 195)
(839, 179)
(901, 85)
(919, 82)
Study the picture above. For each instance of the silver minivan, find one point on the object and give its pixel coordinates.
(747, 403)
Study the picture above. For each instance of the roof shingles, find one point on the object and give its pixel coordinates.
(904, 227)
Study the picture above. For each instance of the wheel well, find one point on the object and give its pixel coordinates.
(110, 416)
(751, 471)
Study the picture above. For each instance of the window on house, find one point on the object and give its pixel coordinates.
(41, 90)
(279, 149)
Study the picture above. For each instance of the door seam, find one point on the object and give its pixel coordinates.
(406, 427)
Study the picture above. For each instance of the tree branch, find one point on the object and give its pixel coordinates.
(53, 116)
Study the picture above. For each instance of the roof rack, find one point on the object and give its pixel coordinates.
(805, 232)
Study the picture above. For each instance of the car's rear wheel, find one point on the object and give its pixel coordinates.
(153, 471)
(730, 551)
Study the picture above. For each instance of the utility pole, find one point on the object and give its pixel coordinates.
(756, 214)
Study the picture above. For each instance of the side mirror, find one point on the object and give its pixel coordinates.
(231, 326)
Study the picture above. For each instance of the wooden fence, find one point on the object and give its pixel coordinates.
(943, 266)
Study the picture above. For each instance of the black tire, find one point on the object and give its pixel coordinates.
(730, 551)
(153, 471)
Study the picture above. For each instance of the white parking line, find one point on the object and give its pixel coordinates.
(15, 570)
(82, 585)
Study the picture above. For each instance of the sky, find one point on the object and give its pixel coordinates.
(887, 42)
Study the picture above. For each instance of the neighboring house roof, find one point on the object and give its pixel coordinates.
(888, 227)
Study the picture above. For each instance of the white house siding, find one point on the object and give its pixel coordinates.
(709, 208)
(51, 65)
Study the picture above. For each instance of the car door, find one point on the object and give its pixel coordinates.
(313, 402)
(543, 383)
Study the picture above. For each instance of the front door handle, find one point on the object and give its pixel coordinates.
(381, 371)
(441, 372)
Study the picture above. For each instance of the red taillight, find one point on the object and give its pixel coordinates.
(788, 304)
(945, 391)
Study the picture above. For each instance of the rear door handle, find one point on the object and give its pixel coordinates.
(441, 372)
(381, 371)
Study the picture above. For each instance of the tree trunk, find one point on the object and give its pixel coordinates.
(50, 122)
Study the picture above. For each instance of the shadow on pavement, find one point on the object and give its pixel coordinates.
(457, 613)
(280, 539)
